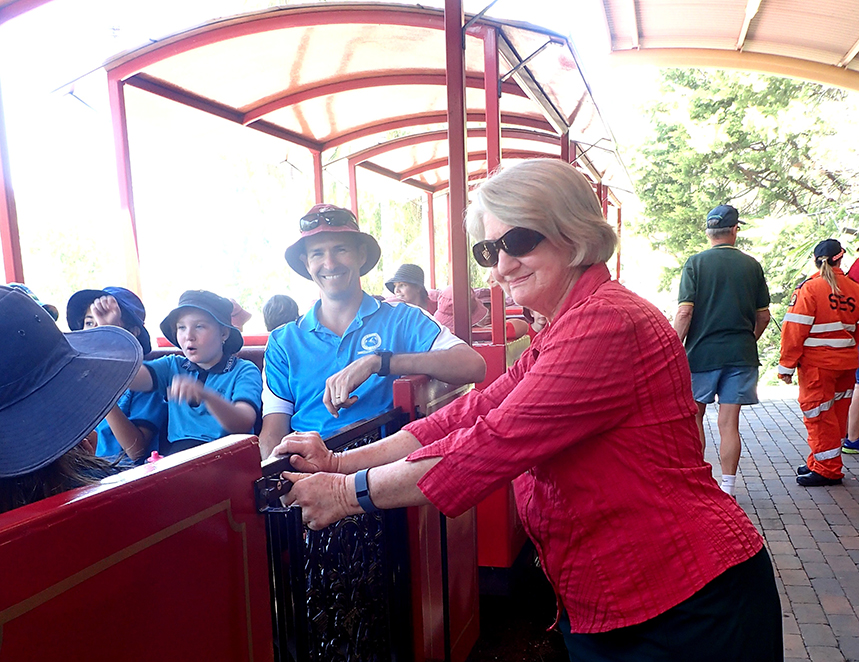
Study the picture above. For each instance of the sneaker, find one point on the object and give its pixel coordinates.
(848, 446)
(803, 470)
(814, 479)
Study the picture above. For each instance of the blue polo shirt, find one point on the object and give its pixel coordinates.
(145, 410)
(301, 355)
(237, 380)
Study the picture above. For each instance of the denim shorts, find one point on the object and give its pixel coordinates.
(734, 384)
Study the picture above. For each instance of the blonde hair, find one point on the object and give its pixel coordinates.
(551, 197)
(828, 274)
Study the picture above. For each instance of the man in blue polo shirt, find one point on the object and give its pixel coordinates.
(336, 364)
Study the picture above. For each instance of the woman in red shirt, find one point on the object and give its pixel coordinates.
(595, 424)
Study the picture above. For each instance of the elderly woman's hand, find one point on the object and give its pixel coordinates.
(324, 498)
(307, 453)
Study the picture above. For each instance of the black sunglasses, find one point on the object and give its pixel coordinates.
(333, 217)
(516, 242)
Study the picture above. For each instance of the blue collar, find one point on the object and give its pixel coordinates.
(310, 320)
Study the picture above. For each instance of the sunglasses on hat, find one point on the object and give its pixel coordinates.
(333, 217)
(516, 243)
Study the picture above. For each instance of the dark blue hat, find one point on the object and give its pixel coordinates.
(723, 216)
(129, 303)
(218, 307)
(829, 248)
(54, 387)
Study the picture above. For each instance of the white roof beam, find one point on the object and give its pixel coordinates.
(752, 7)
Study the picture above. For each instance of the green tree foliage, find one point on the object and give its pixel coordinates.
(758, 143)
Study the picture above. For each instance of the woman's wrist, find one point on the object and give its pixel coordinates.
(362, 491)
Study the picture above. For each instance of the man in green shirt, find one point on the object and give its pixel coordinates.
(724, 309)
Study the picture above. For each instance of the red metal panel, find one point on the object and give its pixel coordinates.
(353, 187)
(168, 562)
(565, 146)
(382, 80)
(13, 263)
(619, 227)
(431, 238)
(394, 123)
(318, 181)
(12, 8)
(457, 158)
(119, 118)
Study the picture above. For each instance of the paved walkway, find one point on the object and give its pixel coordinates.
(811, 533)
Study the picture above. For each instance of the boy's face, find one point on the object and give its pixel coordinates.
(201, 337)
(334, 261)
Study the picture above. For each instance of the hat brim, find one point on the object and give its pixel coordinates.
(233, 343)
(80, 301)
(294, 252)
(55, 418)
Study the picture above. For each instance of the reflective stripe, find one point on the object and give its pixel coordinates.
(840, 395)
(799, 319)
(832, 326)
(828, 455)
(785, 371)
(829, 342)
(816, 411)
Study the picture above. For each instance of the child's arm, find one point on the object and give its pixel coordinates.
(142, 381)
(234, 417)
(133, 439)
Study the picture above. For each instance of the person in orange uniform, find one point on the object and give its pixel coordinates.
(819, 338)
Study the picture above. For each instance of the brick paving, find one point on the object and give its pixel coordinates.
(811, 533)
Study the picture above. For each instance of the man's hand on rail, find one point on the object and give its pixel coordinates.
(324, 498)
(307, 453)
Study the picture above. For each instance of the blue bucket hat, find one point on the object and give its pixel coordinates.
(130, 305)
(218, 307)
(55, 387)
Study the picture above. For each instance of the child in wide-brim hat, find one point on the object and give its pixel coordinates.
(54, 389)
(137, 422)
(211, 393)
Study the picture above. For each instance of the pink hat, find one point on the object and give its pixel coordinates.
(444, 314)
(329, 218)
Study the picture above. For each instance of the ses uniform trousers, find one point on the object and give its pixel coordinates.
(824, 398)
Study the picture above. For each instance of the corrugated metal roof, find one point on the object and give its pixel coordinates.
(813, 40)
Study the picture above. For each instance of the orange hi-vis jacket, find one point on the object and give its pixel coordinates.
(820, 326)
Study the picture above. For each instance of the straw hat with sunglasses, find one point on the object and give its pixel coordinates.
(328, 218)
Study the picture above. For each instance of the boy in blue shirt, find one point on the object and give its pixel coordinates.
(211, 393)
(135, 424)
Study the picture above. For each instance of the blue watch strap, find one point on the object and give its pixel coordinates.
(362, 491)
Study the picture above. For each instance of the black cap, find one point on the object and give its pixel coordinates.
(829, 248)
(723, 216)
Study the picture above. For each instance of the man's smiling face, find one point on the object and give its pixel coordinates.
(334, 261)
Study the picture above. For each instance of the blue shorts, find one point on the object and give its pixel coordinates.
(734, 384)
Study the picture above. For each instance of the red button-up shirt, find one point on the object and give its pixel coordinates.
(596, 423)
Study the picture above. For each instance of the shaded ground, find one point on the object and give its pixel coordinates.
(513, 628)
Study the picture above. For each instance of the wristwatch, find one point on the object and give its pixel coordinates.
(385, 355)
(362, 491)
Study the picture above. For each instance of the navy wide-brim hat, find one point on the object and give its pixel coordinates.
(218, 307)
(55, 387)
(407, 273)
(129, 303)
(294, 252)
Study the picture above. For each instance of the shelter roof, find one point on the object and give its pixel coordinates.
(816, 41)
(369, 79)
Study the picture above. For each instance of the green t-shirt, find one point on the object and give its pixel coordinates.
(727, 288)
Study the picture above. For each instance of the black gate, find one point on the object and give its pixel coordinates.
(340, 594)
